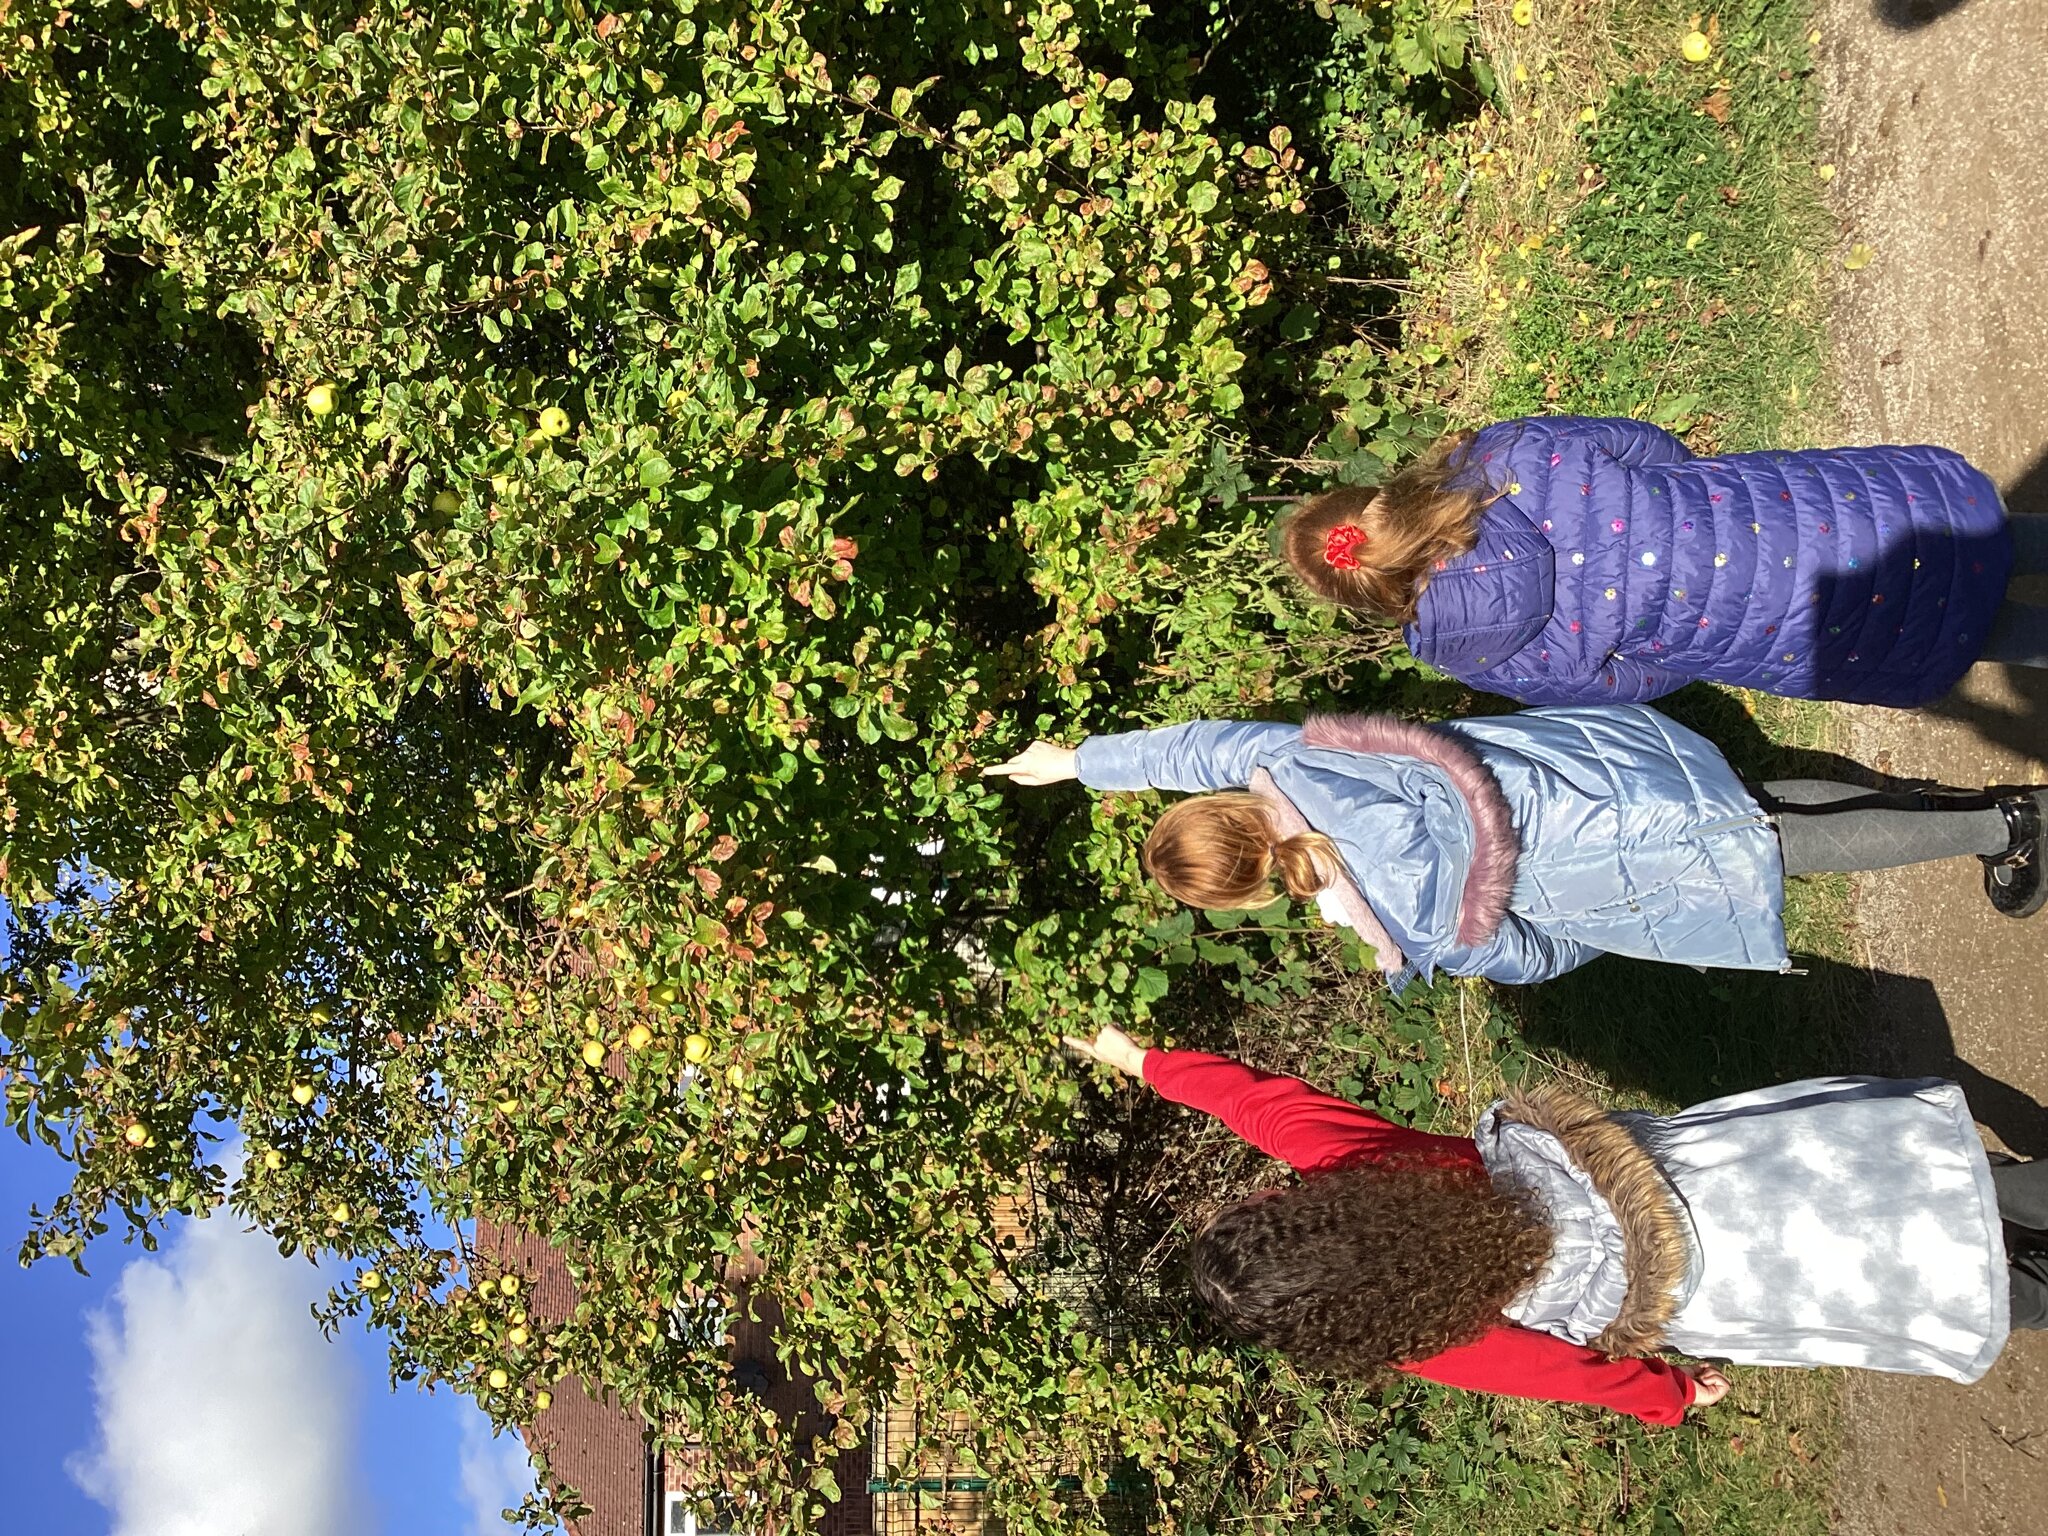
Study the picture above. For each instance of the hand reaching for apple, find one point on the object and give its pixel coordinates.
(1113, 1048)
(1043, 762)
(1709, 1386)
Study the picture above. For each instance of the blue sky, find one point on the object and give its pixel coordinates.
(206, 1350)
(189, 1393)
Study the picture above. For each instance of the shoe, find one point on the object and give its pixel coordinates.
(2014, 879)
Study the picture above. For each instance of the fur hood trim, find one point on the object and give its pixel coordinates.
(1350, 900)
(1496, 850)
(1635, 1189)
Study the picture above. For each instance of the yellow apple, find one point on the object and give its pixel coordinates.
(320, 399)
(638, 1036)
(302, 1094)
(340, 1214)
(509, 1285)
(498, 1379)
(735, 1075)
(371, 1280)
(507, 1106)
(553, 422)
(273, 1159)
(447, 503)
(593, 1053)
(516, 1337)
(136, 1135)
(696, 1049)
(541, 1400)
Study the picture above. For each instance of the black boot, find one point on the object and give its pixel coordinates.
(2013, 879)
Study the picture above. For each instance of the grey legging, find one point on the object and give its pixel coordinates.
(1883, 831)
(2019, 632)
(2023, 1203)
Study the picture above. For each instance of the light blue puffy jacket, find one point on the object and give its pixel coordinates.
(1635, 835)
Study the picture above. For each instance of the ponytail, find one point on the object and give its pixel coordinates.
(1218, 852)
(1306, 861)
(1375, 550)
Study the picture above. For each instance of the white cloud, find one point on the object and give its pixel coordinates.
(222, 1409)
(496, 1475)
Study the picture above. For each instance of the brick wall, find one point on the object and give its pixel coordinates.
(598, 1446)
(594, 1445)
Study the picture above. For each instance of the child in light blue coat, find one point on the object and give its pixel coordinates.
(1516, 847)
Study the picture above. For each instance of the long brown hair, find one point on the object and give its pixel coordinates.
(1218, 852)
(1427, 513)
(1375, 1265)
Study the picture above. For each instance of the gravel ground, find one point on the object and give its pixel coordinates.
(1934, 123)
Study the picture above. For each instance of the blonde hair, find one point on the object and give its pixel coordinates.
(1218, 852)
(1427, 513)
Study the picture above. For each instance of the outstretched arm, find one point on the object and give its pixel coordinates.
(1520, 1362)
(1201, 755)
(1043, 762)
(1281, 1116)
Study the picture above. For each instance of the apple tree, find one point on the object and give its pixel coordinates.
(521, 523)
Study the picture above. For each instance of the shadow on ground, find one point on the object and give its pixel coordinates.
(1911, 15)
(1687, 1036)
(2013, 715)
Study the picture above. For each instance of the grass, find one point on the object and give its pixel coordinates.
(1649, 231)
(1618, 232)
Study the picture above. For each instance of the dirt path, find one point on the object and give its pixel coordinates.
(1934, 122)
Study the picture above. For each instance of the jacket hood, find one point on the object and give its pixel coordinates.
(1636, 1190)
(1491, 601)
(1490, 878)
(1289, 822)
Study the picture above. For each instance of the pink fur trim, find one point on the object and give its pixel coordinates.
(1289, 822)
(1496, 850)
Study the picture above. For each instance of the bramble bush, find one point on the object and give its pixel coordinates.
(523, 522)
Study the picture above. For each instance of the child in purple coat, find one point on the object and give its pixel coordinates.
(1570, 560)
(1576, 560)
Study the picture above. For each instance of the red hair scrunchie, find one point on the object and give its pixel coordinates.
(1340, 549)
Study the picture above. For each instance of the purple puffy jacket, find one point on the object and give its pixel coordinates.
(1616, 565)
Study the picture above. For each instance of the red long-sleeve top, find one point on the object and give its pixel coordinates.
(1311, 1131)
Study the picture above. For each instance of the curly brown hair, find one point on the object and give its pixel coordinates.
(1425, 513)
(1370, 1266)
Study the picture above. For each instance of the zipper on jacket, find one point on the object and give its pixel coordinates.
(1761, 819)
